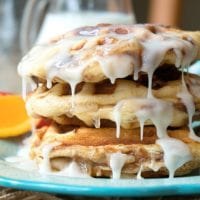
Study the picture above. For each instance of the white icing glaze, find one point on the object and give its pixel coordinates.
(141, 121)
(22, 159)
(117, 161)
(26, 82)
(139, 174)
(36, 57)
(155, 166)
(66, 68)
(136, 70)
(33, 85)
(24, 148)
(73, 170)
(158, 111)
(188, 101)
(176, 153)
(97, 121)
(117, 116)
(69, 67)
(116, 66)
(24, 88)
(156, 48)
(150, 77)
(45, 165)
(22, 163)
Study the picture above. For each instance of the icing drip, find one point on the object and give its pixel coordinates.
(117, 161)
(139, 174)
(155, 50)
(154, 166)
(73, 170)
(33, 59)
(73, 89)
(45, 165)
(136, 71)
(49, 83)
(188, 101)
(176, 153)
(117, 117)
(33, 85)
(27, 85)
(141, 128)
(24, 88)
(66, 68)
(150, 78)
(158, 111)
(97, 122)
(116, 66)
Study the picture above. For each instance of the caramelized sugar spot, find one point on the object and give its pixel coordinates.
(162, 74)
(104, 87)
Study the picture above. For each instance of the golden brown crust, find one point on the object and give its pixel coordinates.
(70, 135)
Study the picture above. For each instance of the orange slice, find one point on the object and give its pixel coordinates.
(14, 120)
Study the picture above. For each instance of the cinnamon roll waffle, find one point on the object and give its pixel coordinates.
(93, 150)
(96, 102)
(118, 101)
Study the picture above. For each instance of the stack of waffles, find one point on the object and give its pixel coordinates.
(115, 101)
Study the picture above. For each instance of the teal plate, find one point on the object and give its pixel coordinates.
(13, 177)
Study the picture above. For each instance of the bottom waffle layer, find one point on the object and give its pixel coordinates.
(92, 150)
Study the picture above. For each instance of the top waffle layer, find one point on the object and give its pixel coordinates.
(95, 53)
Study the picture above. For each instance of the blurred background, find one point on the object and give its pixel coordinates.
(26, 22)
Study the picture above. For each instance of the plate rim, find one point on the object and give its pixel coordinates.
(187, 188)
